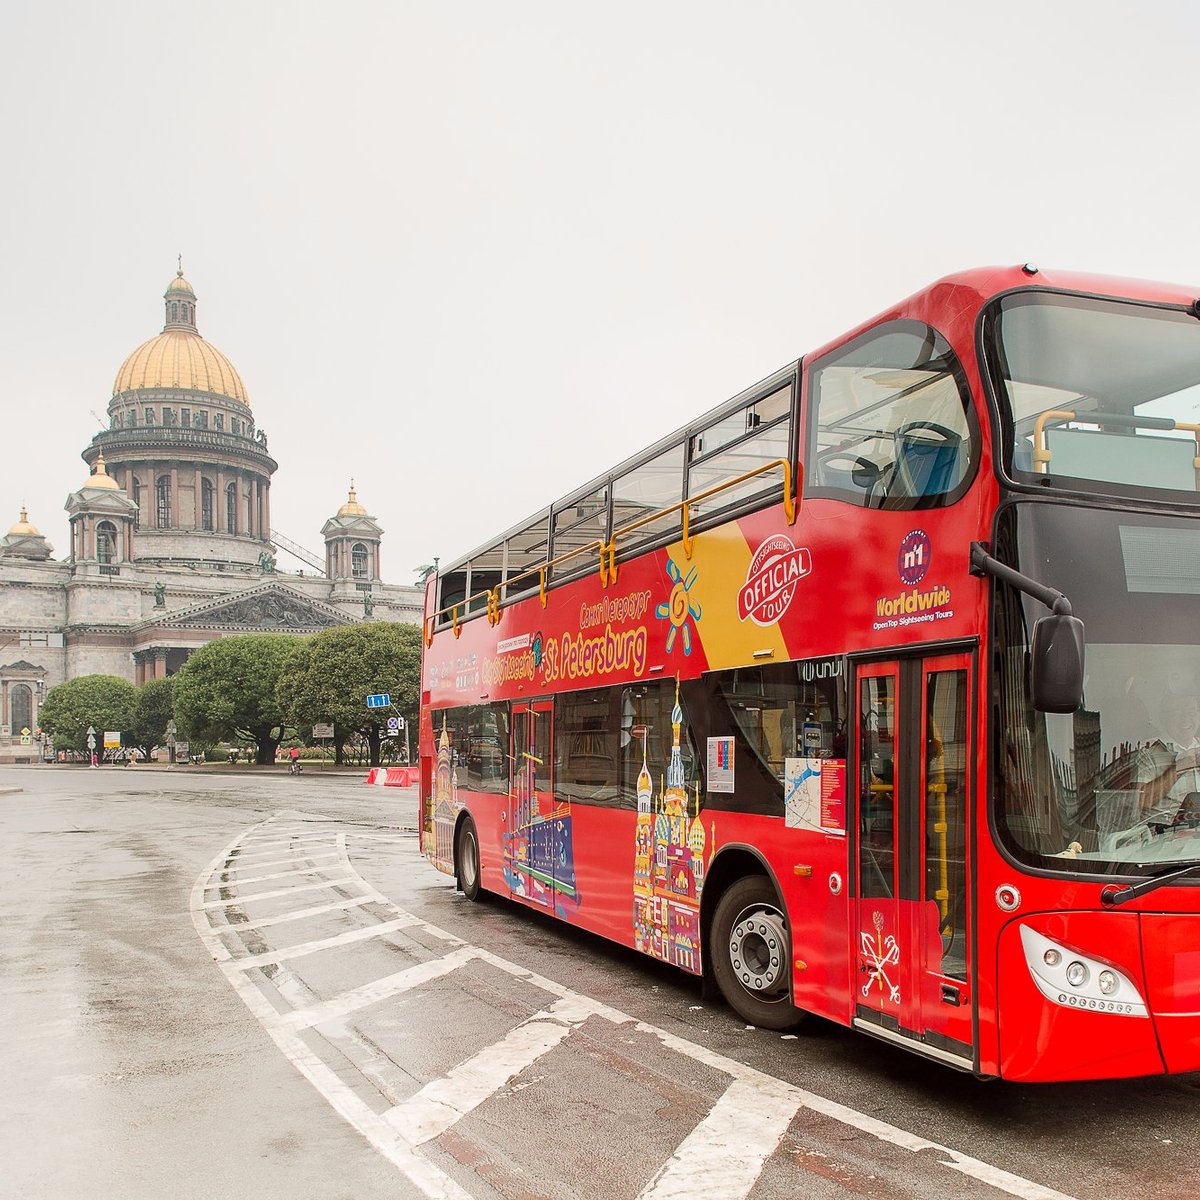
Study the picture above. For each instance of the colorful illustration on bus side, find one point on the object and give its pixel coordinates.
(445, 804)
(537, 847)
(669, 863)
(879, 953)
(679, 607)
(916, 605)
(771, 580)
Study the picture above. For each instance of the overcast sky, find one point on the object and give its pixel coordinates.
(472, 254)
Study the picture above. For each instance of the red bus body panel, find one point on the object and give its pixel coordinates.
(760, 589)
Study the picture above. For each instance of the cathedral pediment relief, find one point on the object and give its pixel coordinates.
(272, 607)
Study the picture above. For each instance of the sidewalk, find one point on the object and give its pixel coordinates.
(317, 770)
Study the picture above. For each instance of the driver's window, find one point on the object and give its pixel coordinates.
(893, 425)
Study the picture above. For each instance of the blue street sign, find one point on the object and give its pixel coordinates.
(382, 700)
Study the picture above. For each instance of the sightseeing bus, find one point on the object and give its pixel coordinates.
(872, 692)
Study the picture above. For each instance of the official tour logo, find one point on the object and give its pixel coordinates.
(770, 586)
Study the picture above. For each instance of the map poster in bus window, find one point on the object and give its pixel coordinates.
(814, 794)
(720, 764)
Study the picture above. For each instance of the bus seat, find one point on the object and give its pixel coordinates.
(925, 466)
(861, 480)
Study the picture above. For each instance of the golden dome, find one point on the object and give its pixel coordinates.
(178, 358)
(352, 508)
(100, 478)
(23, 528)
(179, 284)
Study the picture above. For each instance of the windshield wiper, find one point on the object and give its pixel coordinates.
(1113, 895)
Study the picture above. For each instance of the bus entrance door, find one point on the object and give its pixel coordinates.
(533, 839)
(911, 802)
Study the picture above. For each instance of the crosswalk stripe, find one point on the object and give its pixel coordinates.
(239, 882)
(299, 914)
(379, 989)
(292, 891)
(235, 864)
(442, 1102)
(724, 1155)
(342, 939)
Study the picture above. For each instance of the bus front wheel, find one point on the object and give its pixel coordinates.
(750, 952)
(467, 860)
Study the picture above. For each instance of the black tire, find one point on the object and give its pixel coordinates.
(466, 860)
(750, 951)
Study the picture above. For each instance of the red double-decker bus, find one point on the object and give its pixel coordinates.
(798, 698)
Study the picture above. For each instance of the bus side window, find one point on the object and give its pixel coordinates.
(892, 422)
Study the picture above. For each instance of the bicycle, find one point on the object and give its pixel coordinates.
(294, 767)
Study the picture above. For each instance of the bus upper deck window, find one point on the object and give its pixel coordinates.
(893, 425)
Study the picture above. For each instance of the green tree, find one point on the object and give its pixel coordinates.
(330, 675)
(226, 691)
(104, 702)
(153, 709)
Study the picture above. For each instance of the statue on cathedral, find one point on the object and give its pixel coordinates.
(368, 604)
(266, 563)
(160, 594)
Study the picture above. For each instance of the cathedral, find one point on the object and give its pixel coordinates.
(171, 539)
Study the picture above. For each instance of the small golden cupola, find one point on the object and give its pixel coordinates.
(100, 478)
(352, 508)
(25, 540)
(352, 545)
(23, 528)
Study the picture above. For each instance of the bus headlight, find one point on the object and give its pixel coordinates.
(1072, 979)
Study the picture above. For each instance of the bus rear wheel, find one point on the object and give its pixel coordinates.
(750, 952)
(466, 859)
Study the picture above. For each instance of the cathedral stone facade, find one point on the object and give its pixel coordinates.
(171, 540)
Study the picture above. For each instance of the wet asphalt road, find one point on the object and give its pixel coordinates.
(252, 986)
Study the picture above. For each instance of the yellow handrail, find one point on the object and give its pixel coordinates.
(1041, 450)
(608, 550)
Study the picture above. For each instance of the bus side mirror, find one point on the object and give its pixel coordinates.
(1056, 664)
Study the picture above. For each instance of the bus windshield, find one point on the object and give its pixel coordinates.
(1097, 395)
(1115, 786)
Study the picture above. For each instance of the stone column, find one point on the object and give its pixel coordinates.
(160, 664)
(176, 515)
(198, 501)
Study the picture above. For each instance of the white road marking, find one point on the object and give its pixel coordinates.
(292, 891)
(724, 1155)
(442, 1102)
(309, 870)
(297, 841)
(238, 863)
(733, 1136)
(299, 915)
(342, 939)
(377, 990)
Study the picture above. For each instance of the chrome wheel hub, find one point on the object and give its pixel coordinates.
(757, 944)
